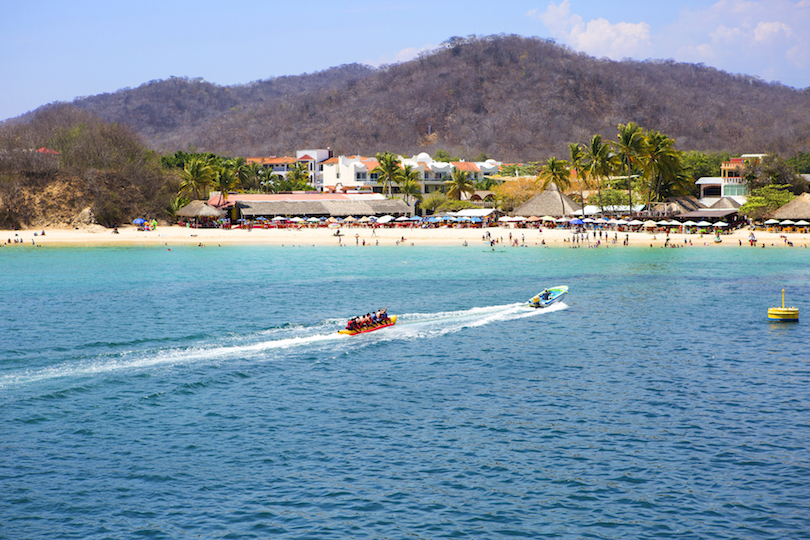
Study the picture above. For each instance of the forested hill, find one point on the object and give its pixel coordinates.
(510, 97)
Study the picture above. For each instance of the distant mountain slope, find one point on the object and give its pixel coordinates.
(511, 97)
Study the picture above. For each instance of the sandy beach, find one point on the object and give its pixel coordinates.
(360, 236)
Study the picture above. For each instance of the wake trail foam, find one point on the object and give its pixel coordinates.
(283, 340)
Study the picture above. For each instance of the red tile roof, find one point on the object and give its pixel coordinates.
(466, 166)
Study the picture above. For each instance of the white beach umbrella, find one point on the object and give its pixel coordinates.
(602, 220)
(638, 222)
(562, 220)
(297, 219)
(675, 223)
(721, 224)
(403, 218)
(662, 222)
(588, 220)
(787, 222)
(385, 219)
(703, 224)
(279, 218)
(647, 224)
(689, 223)
(802, 223)
(314, 220)
(772, 222)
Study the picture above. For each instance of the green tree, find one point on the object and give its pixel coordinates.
(223, 180)
(699, 164)
(601, 163)
(433, 200)
(578, 157)
(409, 185)
(801, 163)
(253, 178)
(556, 171)
(443, 155)
(628, 147)
(772, 169)
(660, 163)
(764, 200)
(389, 170)
(196, 176)
(241, 171)
(458, 184)
(297, 179)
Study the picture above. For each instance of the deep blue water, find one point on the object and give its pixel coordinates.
(204, 392)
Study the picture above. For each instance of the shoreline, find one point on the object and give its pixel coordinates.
(97, 236)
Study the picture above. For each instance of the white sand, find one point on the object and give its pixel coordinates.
(354, 236)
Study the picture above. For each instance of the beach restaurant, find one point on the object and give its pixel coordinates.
(309, 205)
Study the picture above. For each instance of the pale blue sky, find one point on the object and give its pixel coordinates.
(56, 51)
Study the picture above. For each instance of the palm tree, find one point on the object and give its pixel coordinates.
(556, 171)
(577, 163)
(196, 176)
(253, 177)
(459, 183)
(601, 163)
(388, 170)
(223, 181)
(409, 185)
(660, 162)
(298, 176)
(241, 171)
(628, 147)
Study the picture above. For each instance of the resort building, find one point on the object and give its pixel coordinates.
(354, 173)
(313, 159)
(730, 183)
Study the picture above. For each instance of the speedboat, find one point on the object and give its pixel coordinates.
(548, 296)
(391, 321)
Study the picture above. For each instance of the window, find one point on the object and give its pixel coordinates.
(361, 176)
(735, 190)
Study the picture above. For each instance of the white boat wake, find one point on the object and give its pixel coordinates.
(281, 343)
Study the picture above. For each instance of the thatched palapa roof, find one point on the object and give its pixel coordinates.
(798, 208)
(200, 209)
(337, 208)
(548, 203)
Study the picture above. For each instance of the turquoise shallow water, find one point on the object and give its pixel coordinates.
(204, 392)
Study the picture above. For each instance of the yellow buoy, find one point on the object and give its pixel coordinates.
(784, 314)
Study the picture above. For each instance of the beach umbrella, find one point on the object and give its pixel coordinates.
(675, 223)
(622, 222)
(721, 224)
(139, 221)
(703, 224)
(314, 220)
(647, 224)
(802, 223)
(385, 219)
(787, 222)
(297, 219)
(602, 220)
(663, 222)
(577, 221)
(350, 218)
(279, 218)
(689, 223)
(434, 219)
(562, 220)
(533, 219)
(589, 220)
(639, 222)
(772, 222)
(547, 218)
(403, 218)
(476, 220)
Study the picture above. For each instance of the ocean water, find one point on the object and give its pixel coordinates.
(204, 392)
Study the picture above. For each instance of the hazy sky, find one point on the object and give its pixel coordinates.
(56, 51)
